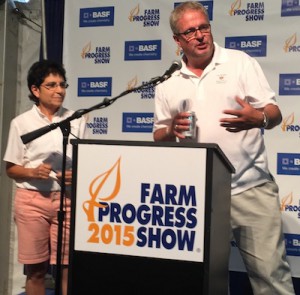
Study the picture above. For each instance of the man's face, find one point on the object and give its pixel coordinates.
(195, 44)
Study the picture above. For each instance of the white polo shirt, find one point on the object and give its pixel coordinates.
(231, 73)
(35, 152)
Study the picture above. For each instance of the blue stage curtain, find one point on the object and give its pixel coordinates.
(54, 21)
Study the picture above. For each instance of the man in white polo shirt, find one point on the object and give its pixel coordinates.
(232, 100)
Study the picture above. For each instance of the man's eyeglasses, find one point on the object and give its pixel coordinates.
(191, 33)
(53, 85)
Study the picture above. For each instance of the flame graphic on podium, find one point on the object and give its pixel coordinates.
(96, 187)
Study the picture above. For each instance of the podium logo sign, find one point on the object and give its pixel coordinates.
(140, 217)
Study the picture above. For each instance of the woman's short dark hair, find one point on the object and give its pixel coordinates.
(39, 71)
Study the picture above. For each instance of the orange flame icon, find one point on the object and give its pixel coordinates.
(289, 120)
(287, 200)
(236, 5)
(133, 12)
(132, 83)
(290, 42)
(86, 49)
(96, 187)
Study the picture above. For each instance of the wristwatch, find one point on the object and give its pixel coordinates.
(265, 120)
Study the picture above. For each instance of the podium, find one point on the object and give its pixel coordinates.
(149, 218)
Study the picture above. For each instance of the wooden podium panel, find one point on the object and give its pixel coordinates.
(149, 218)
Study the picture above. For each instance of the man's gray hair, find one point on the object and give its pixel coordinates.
(179, 10)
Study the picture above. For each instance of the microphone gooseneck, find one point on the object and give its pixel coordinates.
(176, 65)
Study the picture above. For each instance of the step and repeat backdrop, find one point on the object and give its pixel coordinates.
(113, 48)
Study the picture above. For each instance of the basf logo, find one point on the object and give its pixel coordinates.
(292, 244)
(288, 164)
(289, 84)
(290, 8)
(143, 50)
(255, 46)
(96, 16)
(138, 122)
(98, 86)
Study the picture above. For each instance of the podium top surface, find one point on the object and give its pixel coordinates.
(212, 146)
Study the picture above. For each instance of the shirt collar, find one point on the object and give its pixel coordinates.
(59, 113)
(220, 56)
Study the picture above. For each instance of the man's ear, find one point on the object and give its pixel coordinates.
(176, 39)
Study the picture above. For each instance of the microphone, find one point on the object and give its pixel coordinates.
(176, 65)
(37, 133)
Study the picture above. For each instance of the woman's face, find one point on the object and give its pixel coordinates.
(51, 93)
